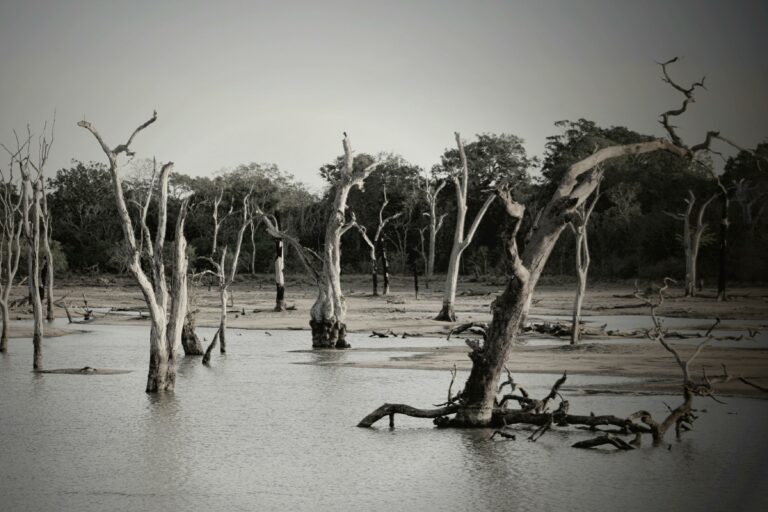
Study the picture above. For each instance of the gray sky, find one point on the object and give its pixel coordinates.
(241, 81)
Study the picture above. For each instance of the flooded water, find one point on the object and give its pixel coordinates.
(258, 432)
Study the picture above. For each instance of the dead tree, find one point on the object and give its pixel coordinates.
(460, 240)
(166, 310)
(227, 277)
(279, 268)
(31, 220)
(579, 225)
(477, 405)
(328, 313)
(431, 193)
(11, 227)
(378, 243)
(693, 228)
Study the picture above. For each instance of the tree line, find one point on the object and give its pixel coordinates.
(632, 234)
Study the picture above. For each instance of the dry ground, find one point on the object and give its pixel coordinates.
(402, 312)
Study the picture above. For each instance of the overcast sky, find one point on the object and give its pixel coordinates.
(242, 81)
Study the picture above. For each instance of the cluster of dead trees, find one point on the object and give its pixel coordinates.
(529, 238)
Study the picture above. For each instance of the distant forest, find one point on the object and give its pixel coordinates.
(635, 231)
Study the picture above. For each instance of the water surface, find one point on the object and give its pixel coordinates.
(258, 432)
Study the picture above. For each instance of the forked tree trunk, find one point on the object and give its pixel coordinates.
(692, 232)
(328, 313)
(460, 240)
(431, 192)
(166, 327)
(31, 219)
(580, 226)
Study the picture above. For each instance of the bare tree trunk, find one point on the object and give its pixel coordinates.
(253, 249)
(189, 339)
(431, 192)
(6, 318)
(384, 266)
(580, 226)
(11, 227)
(279, 267)
(377, 246)
(460, 240)
(224, 296)
(692, 232)
(227, 278)
(163, 341)
(328, 313)
(722, 274)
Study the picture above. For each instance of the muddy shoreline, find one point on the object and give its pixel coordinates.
(401, 312)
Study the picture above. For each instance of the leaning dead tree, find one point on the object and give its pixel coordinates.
(461, 240)
(167, 309)
(431, 192)
(477, 404)
(579, 225)
(377, 243)
(11, 227)
(693, 229)
(227, 276)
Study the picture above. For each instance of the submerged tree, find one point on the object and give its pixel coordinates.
(477, 404)
(227, 276)
(10, 241)
(167, 310)
(328, 313)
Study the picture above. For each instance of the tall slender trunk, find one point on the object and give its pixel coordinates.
(722, 274)
(460, 240)
(384, 267)
(6, 318)
(577, 303)
(279, 276)
(224, 296)
(374, 273)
